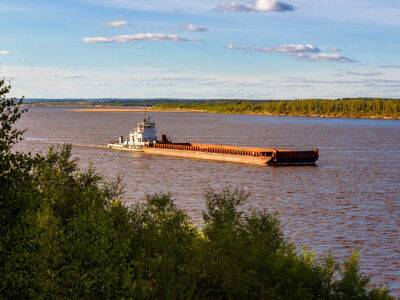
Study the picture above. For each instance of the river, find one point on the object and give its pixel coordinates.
(350, 200)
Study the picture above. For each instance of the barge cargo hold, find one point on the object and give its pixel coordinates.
(143, 138)
(258, 156)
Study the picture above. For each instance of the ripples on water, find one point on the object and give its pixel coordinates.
(351, 200)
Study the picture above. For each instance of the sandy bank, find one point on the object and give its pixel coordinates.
(131, 109)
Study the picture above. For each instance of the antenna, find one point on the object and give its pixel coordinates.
(145, 109)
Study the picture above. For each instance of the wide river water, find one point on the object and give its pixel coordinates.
(350, 200)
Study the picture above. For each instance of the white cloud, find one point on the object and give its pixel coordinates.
(98, 83)
(4, 52)
(127, 82)
(258, 6)
(305, 52)
(134, 37)
(72, 76)
(195, 28)
(390, 67)
(117, 23)
(333, 57)
(352, 73)
(245, 48)
(363, 82)
(293, 49)
(6, 76)
(273, 5)
(286, 49)
(234, 7)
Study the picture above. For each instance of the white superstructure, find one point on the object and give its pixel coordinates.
(142, 135)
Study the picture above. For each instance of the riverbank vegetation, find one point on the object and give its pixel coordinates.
(348, 108)
(66, 233)
(338, 108)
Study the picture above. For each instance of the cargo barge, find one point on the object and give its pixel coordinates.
(144, 138)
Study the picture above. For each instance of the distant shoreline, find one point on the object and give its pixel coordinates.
(132, 109)
(183, 110)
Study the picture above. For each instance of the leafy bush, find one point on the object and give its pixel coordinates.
(65, 233)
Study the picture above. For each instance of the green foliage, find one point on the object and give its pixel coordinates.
(358, 108)
(67, 234)
(15, 167)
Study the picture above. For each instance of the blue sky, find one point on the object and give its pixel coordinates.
(259, 49)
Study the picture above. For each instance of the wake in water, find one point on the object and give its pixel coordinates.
(33, 139)
(50, 142)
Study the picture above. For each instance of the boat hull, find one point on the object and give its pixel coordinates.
(294, 158)
(227, 153)
(123, 148)
(246, 155)
(209, 156)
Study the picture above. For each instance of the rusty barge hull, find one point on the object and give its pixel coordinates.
(245, 155)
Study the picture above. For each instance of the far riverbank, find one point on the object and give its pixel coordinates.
(132, 109)
(353, 108)
(184, 110)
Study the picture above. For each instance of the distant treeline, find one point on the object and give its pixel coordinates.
(346, 107)
(105, 101)
(355, 108)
